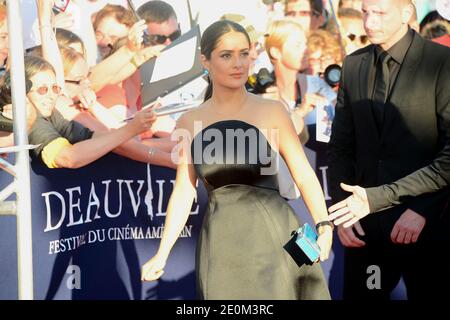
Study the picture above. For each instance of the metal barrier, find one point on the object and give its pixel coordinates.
(21, 207)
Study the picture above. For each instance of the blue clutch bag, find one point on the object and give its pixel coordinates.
(302, 247)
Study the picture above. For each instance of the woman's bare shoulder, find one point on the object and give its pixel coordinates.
(269, 109)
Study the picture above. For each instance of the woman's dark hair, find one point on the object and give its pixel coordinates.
(210, 39)
(34, 65)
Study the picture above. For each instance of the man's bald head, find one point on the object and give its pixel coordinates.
(386, 21)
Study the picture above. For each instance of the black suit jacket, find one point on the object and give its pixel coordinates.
(409, 157)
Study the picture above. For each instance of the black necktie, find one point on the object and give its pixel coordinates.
(381, 88)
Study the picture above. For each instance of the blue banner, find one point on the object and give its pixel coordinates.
(94, 227)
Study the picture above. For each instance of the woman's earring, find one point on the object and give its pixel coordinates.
(206, 74)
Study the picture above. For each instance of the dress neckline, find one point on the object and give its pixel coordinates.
(233, 120)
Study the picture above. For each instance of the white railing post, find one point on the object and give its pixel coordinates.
(22, 179)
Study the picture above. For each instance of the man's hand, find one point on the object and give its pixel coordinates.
(148, 53)
(348, 237)
(350, 210)
(408, 227)
(136, 36)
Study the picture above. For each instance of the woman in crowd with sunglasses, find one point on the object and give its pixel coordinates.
(62, 143)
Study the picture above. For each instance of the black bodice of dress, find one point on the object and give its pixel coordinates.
(234, 152)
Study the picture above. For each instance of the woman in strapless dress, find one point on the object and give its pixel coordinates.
(232, 142)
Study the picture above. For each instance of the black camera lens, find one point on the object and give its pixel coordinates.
(332, 75)
(265, 78)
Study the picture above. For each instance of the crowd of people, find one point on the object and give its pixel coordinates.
(388, 143)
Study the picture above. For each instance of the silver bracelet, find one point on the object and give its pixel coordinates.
(325, 223)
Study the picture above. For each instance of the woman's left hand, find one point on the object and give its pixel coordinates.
(325, 241)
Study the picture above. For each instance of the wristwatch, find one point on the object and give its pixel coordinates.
(324, 223)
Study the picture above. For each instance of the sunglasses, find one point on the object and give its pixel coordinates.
(78, 82)
(363, 38)
(161, 39)
(302, 13)
(44, 89)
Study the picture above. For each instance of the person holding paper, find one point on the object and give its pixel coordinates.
(163, 28)
(240, 251)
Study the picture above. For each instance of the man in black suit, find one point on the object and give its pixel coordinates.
(390, 149)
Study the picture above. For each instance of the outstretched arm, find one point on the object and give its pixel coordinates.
(423, 182)
(107, 71)
(50, 49)
(59, 153)
(178, 209)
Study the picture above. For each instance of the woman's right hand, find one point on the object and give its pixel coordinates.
(144, 119)
(153, 269)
